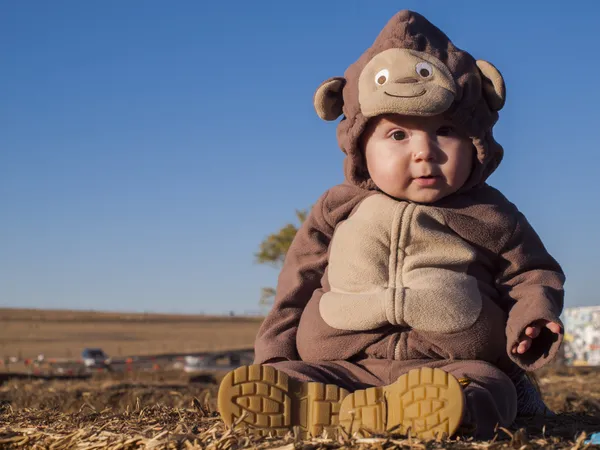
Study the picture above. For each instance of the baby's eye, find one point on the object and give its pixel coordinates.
(398, 135)
(445, 130)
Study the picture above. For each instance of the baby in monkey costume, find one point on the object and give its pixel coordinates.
(414, 294)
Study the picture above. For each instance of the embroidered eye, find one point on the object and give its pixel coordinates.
(382, 77)
(424, 69)
(398, 135)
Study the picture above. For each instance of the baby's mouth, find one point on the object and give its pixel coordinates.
(427, 180)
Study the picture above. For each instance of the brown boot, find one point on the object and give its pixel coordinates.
(424, 403)
(266, 401)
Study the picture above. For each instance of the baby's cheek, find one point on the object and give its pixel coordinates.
(386, 178)
(458, 174)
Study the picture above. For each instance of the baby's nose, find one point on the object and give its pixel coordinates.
(424, 153)
(425, 148)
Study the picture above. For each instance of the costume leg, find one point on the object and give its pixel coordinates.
(276, 398)
(433, 397)
(529, 398)
(484, 341)
(490, 396)
(348, 375)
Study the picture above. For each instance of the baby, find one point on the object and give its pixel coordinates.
(415, 294)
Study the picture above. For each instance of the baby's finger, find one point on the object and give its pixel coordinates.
(524, 345)
(554, 327)
(533, 331)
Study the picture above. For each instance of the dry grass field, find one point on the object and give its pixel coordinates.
(63, 334)
(165, 410)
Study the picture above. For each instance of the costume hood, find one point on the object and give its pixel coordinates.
(413, 68)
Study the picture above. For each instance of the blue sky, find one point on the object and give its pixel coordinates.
(147, 147)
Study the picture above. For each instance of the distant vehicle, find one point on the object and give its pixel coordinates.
(207, 368)
(95, 358)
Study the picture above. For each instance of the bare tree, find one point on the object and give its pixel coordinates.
(273, 249)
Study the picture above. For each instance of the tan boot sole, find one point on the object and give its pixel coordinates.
(273, 403)
(423, 402)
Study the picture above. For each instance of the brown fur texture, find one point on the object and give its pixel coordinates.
(397, 283)
(519, 280)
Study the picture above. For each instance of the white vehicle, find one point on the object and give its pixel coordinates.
(94, 358)
(219, 361)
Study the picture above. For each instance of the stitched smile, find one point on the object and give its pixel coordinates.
(406, 96)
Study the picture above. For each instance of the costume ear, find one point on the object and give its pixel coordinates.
(493, 85)
(328, 99)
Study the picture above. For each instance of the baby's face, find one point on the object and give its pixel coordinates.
(421, 159)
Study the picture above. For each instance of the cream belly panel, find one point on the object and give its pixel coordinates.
(394, 262)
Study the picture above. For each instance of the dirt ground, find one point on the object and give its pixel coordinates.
(26, 333)
(164, 410)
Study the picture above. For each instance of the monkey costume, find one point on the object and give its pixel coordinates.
(412, 307)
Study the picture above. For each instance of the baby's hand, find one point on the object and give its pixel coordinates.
(533, 331)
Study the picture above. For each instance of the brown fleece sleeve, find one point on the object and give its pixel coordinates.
(301, 275)
(532, 281)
